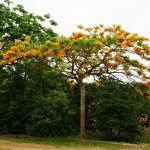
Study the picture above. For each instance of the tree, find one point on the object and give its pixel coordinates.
(117, 111)
(98, 52)
(20, 82)
(16, 23)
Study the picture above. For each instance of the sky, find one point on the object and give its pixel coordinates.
(132, 15)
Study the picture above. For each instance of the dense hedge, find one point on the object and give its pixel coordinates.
(52, 116)
(36, 103)
(118, 120)
(117, 113)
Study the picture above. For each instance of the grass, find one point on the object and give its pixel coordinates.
(73, 142)
(146, 138)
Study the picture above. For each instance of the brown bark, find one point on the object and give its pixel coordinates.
(82, 110)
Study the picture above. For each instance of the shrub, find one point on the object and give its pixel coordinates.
(51, 116)
(117, 119)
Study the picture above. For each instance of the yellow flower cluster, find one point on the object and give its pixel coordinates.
(12, 59)
(144, 84)
(137, 49)
(61, 54)
(49, 52)
(109, 55)
(117, 56)
(17, 42)
(3, 62)
(139, 91)
(27, 38)
(97, 83)
(80, 26)
(120, 37)
(112, 65)
(142, 66)
(99, 44)
(89, 29)
(31, 52)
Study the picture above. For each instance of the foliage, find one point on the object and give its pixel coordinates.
(98, 52)
(20, 82)
(82, 55)
(117, 113)
(16, 23)
(18, 89)
(12, 103)
(145, 107)
(51, 115)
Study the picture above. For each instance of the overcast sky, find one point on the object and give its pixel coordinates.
(133, 15)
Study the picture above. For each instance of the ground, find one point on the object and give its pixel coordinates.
(9, 145)
(12, 145)
(12, 142)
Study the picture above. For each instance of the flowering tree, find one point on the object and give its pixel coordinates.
(98, 52)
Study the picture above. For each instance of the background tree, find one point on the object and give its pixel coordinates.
(22, 81)
(16, 23)
(25, 89)
(118, 111)
(96, 52)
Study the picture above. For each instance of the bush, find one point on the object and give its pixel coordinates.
(117, 119)
(51, 116)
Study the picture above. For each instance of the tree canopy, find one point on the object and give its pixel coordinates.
(16, 23)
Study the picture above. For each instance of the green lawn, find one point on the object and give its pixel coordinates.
(76, 142)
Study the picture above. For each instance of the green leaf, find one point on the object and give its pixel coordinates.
(47, 16)
(64, 65)
(139, 43)
(20, 23)
(112, 41)
(103, 40)
(148, 77)
(134, 63)
(59, 60)
(54, 23)
(94, 36)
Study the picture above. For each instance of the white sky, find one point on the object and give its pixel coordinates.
(133, 15)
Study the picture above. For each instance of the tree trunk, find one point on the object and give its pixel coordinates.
(82, 110)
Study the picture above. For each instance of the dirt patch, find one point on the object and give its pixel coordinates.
(4, 144)
(9, 145)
